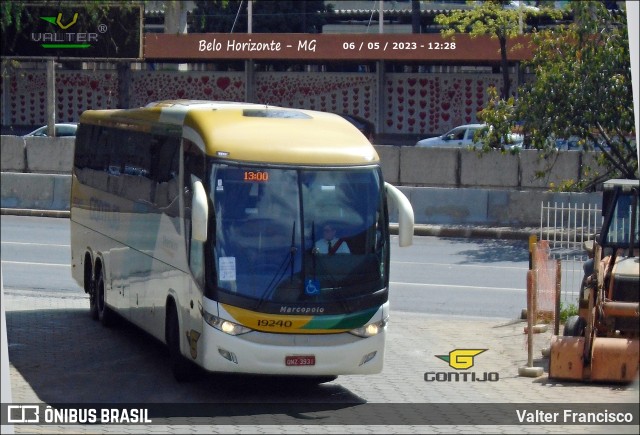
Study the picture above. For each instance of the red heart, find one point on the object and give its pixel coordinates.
(223, 82)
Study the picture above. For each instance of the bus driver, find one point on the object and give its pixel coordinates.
(330, 244)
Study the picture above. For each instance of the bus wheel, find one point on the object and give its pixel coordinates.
(105, 315)
(183, 370)
(93, 305)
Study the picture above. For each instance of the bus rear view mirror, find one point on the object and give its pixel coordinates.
(199, 213)
(405, 215)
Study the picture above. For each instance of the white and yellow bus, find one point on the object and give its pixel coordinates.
(200, 223)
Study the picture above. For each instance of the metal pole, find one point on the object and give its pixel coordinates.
(51, 97)
(248, 64)
(556, 324)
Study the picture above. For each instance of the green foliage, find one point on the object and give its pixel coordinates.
(567, 310)
(493, 19)
(582, 89)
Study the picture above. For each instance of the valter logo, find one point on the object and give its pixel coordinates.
(65, 39)
(461, 359)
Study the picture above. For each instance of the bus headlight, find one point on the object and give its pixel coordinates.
(225, 326)
(370, 329)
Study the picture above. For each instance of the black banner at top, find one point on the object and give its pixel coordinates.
(78, 32)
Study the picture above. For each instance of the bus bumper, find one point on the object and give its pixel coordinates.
(295, 354)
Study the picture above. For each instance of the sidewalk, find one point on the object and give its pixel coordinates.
(58, 354)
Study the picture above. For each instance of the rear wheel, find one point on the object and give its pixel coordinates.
(105, 315)
(90, 287)
(574, 327)
(183, 370)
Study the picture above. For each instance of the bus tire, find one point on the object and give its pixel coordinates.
(93, 306)
(183, 370)
(105, 315)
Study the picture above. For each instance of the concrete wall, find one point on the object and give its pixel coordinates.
(51, 155)
(431, 205)
(35, 191)
(445, 186)
(405, 166)
(486, 207)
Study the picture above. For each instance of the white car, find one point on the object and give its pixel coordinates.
(62, 130)
(462, 137)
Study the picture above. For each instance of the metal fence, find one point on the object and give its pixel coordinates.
(566, 227)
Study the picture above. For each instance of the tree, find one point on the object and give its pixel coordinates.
(582, 89)
(494, 18)
(288, 16)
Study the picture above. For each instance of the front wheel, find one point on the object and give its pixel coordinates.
(183, 370)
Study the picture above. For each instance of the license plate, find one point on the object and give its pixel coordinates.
(300, 360)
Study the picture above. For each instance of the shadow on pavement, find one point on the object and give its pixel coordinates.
(494, 250)
(65, 357)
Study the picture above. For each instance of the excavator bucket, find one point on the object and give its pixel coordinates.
(566, 358)
(615, 359)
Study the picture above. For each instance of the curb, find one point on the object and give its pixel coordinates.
(470, 232)
(36, 213)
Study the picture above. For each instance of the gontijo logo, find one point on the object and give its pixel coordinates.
(461, 359)
(64, 38)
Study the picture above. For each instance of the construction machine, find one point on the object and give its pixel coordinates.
(601, 343)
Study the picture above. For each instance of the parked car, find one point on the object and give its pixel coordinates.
(62, 130)
(366, 127)
(463, 137)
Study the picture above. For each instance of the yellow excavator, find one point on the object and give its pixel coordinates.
(601, 343)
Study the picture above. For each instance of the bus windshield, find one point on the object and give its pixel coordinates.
(298, 236)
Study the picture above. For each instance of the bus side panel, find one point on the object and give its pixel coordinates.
(141, 247)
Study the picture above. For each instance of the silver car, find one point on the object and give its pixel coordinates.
(462, 137)
(459, 137)
(62, 130)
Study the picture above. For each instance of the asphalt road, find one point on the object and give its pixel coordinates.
(447, 276)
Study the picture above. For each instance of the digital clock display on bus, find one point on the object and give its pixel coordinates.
(256, 176)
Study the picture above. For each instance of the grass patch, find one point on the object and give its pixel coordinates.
(567, 310)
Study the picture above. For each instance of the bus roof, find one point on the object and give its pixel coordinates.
(249, 132)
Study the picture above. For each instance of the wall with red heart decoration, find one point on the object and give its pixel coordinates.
(413, 103)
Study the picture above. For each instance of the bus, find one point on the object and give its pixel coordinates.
(202, 223)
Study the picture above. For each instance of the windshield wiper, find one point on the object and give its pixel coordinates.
(282, 268)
